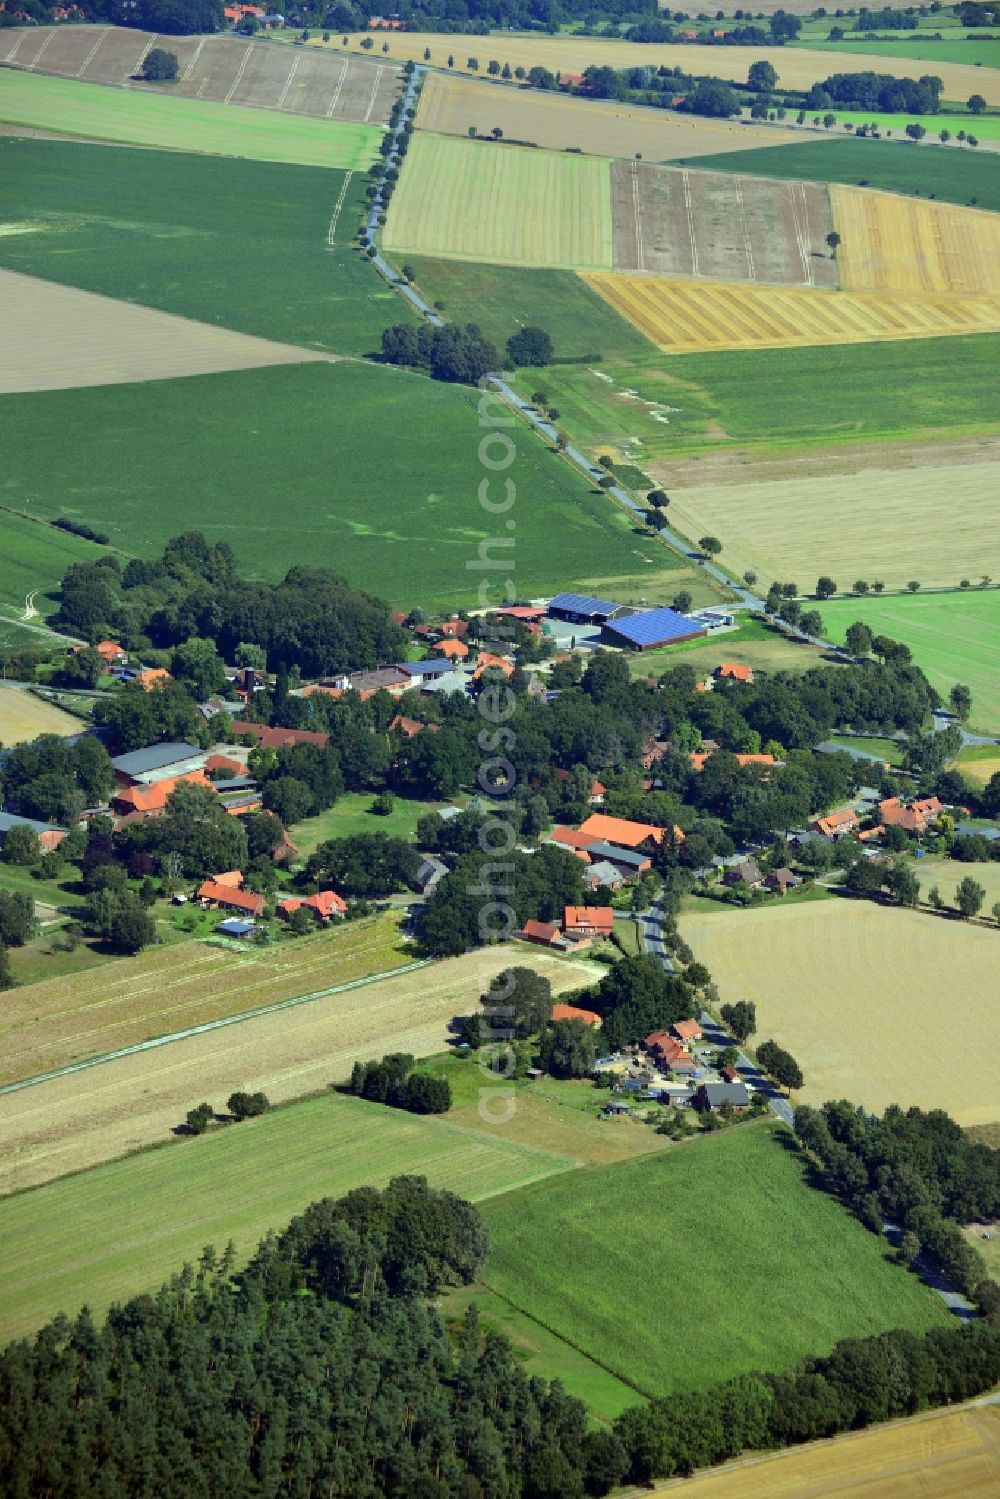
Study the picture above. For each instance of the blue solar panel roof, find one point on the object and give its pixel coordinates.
(582, 603)
(654, 625)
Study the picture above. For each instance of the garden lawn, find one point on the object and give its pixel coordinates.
(243, 244)
(502, 299)
(954, 637)
(951, 174)
(696, 1265)
(138, 119)
(120, 1229)
(367, 470)
(353, 814)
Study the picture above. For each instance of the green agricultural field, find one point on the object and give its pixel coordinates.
(948, 173)
(951, 49)
(954, 637)
(371, 471)
(109, 1233)
(775, 400)
(502, 299)
(984, 127)
(751, 644)
(698, 1264)
(352, 814)
(33, 558)
(241, 243)
(135, 119)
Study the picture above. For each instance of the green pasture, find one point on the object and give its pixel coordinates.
(502, 299)
(776, 400)
(33, 558)
(137, 119)
(889, 750)
(353, 814)
(954, 175)
(237, 243)
(976, 53)
(752, 643)
(697, 1264)
(954, 637)
(984, 127)
(365, 469)
(112, 1232)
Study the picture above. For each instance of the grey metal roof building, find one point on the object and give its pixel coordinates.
(10, 820)
(156, 757)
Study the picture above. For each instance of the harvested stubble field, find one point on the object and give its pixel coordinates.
(682, 317)
(903, 245)
(56, 338)
(940, 1455)
(106, 1234)
(474, 201)
(24, 716)
(708, 224)
(80, 1120)
(452, 105)
(131, 117)
(858, 1023)
(954, 637)
(980, 765)
(796, 69)
(872, 523)
(62, 1021)
(221, 69)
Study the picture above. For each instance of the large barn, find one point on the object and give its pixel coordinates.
(650, 628)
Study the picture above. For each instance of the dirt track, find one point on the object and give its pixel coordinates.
(56, 337)
(77, 1121)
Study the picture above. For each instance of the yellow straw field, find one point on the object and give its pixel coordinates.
(516, 207)
(897, 244)
(689, 316)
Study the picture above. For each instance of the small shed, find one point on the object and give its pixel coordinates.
(234, 927)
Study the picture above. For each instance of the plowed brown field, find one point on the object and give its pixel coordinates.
(687, 316)
(56, 337)
(898, 244)
(943, 1455)
(226, 69)
(452, 106)
(74, 1122)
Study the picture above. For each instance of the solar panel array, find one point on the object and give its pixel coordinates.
(582, 603)
(655, 625)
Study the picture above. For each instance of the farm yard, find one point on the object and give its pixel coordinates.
(218, 69)
(866, 522)
(571, 53)
(198, 236)
(373, 466)
(954, 637)
(473, 201)
(81, 1120)
(858, 1017)
(129, 117)
(24, 716)
(704, 224)
(939, 1455)
(752, 1269)
(900, 245)
(935, 171)
(686, 317)
(451, 105)
(56, 337)
(102, 1235)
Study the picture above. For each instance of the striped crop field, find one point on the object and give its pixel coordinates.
(895, 244)
(688, 316)
(472, 201)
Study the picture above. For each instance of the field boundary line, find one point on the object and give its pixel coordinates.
(137, 1047)
(239, 74)
(33, 64)
(90, 55)
(741, 206)
(130, 72)
(336, 211)
(802, 230)
(194, 58)
(288, 81)
(686, 179)
(635, 210)
(375, 87)
(336, 93)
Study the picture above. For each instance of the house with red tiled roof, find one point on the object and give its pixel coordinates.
(221, 765)
(324, 905)
(574, 1012)
(597, 792)
(408, 727)
(836, 824)
(219, 897)
(151, 800)
(623, 832)
(668, 1052)
(487, 661)
(686, 1031)
(453, 648)
(915, 818)
(733, 671)
(111, 653)
(152, 676)
(272, 737)
(541, 932)
(699, 757)
(570, 838)
(588, 921)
